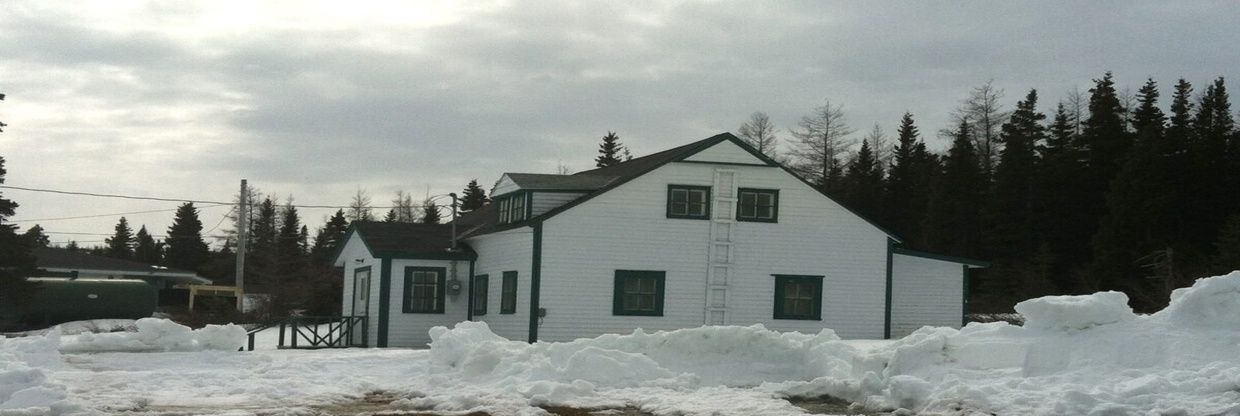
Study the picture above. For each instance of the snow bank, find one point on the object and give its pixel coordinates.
(158, 335)
(25, 364)
(1067, 313)
(1075, 355)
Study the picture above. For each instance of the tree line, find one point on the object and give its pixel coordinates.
(1107, 192)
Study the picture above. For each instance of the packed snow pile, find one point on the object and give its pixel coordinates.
(1066, 313)
(25, 364)
(155, 334)
(1076, 355)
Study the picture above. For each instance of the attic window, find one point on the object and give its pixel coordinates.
(759, 205)
(512, 208)
(689, 202)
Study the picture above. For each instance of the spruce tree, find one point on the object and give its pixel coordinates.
(1178, 137)
(473, 197)
(37, 237)
(1010, 210)
(261, 258)
(390, 216)
(186, 249)
(430, 213)
(953, 223)
(1059, 193)
(864, 183)
(1139, 209)
(1212, 199)
(1227, 258)
(609, 151)
(329, 237)
(16, 261)
(146, 250)
(905, 197)
(120, 244)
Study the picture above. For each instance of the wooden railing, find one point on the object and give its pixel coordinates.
(314, 332)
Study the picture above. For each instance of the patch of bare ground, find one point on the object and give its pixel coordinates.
(827, 405)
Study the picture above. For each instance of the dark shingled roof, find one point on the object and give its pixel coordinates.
(548, 182)
(396, 239)
(49, 258)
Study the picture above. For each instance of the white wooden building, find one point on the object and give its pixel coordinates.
(709, 233)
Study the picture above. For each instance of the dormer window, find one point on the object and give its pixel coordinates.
(512, 208)
(688, 202)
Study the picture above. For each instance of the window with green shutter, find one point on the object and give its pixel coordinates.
(481, 285)
(798, 297)
(638, 292)
(508, 294)
(757, 205)
(688, 202)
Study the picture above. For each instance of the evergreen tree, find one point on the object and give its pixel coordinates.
(905, 197)
(1059, 194)
(16, 261)
(289, 244)
(864, 183)
(72, 246)
(146, 250)
(1228, 246)
(1212, 199)
(1178, 159)
(609, 152)
(329, 237)
(390, 216)
(953, 223)
(120, 244)
(37, 237)
(1107, 141)
(261, 258)
(1010, 210)
(430, 212)
(473, 197)
(1139, 209)
(186, 249)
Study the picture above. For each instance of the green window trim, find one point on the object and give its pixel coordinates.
(482, 283)
(688, 202)
(638, 293)
(513, 207)
(798, 297)
(432, 282)
(757, 205)
(508, 294)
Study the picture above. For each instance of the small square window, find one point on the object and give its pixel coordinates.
(758, 205)
(638, 292)
(686, 201)
(424, 289)
(798, 297)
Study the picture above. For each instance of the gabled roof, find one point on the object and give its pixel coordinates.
(66, 261)
(406, 240)
(549, 182)
(483, 221)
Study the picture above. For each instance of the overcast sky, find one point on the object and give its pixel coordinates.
(181, 100)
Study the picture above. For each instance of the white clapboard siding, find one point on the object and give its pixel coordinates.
(925, 292)
(725, 152)
(499, 252)
(354, 250)
(503, 186)
(546, 201)
(411, 329)
(627, 228)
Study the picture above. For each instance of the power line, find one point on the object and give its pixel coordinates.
(109, 215)
(163, 199)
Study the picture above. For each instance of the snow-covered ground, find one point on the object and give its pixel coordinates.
(1075, 355)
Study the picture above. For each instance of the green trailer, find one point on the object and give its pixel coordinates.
(56, 300)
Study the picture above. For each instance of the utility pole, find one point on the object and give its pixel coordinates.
(243, 236)
(453, 195)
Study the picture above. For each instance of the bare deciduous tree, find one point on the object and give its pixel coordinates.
(759, 132)
(985, 116)
(403, 206)
(1078, 109)
(359, 207)
(818, 142)
(881, 144)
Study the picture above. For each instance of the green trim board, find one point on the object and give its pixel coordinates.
(630, 287)
(783, 282)
(887, 301)
(535, 281)
(353, 302)
(441, 277)
(688, 190)
(952, 259)
(385, 299)
(469, 307)
(482, 287)
(964, 298)
(756, 194)
(508, 293)
(459, 255)
(348, 234)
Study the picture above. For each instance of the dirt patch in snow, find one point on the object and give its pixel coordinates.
(827, 405)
